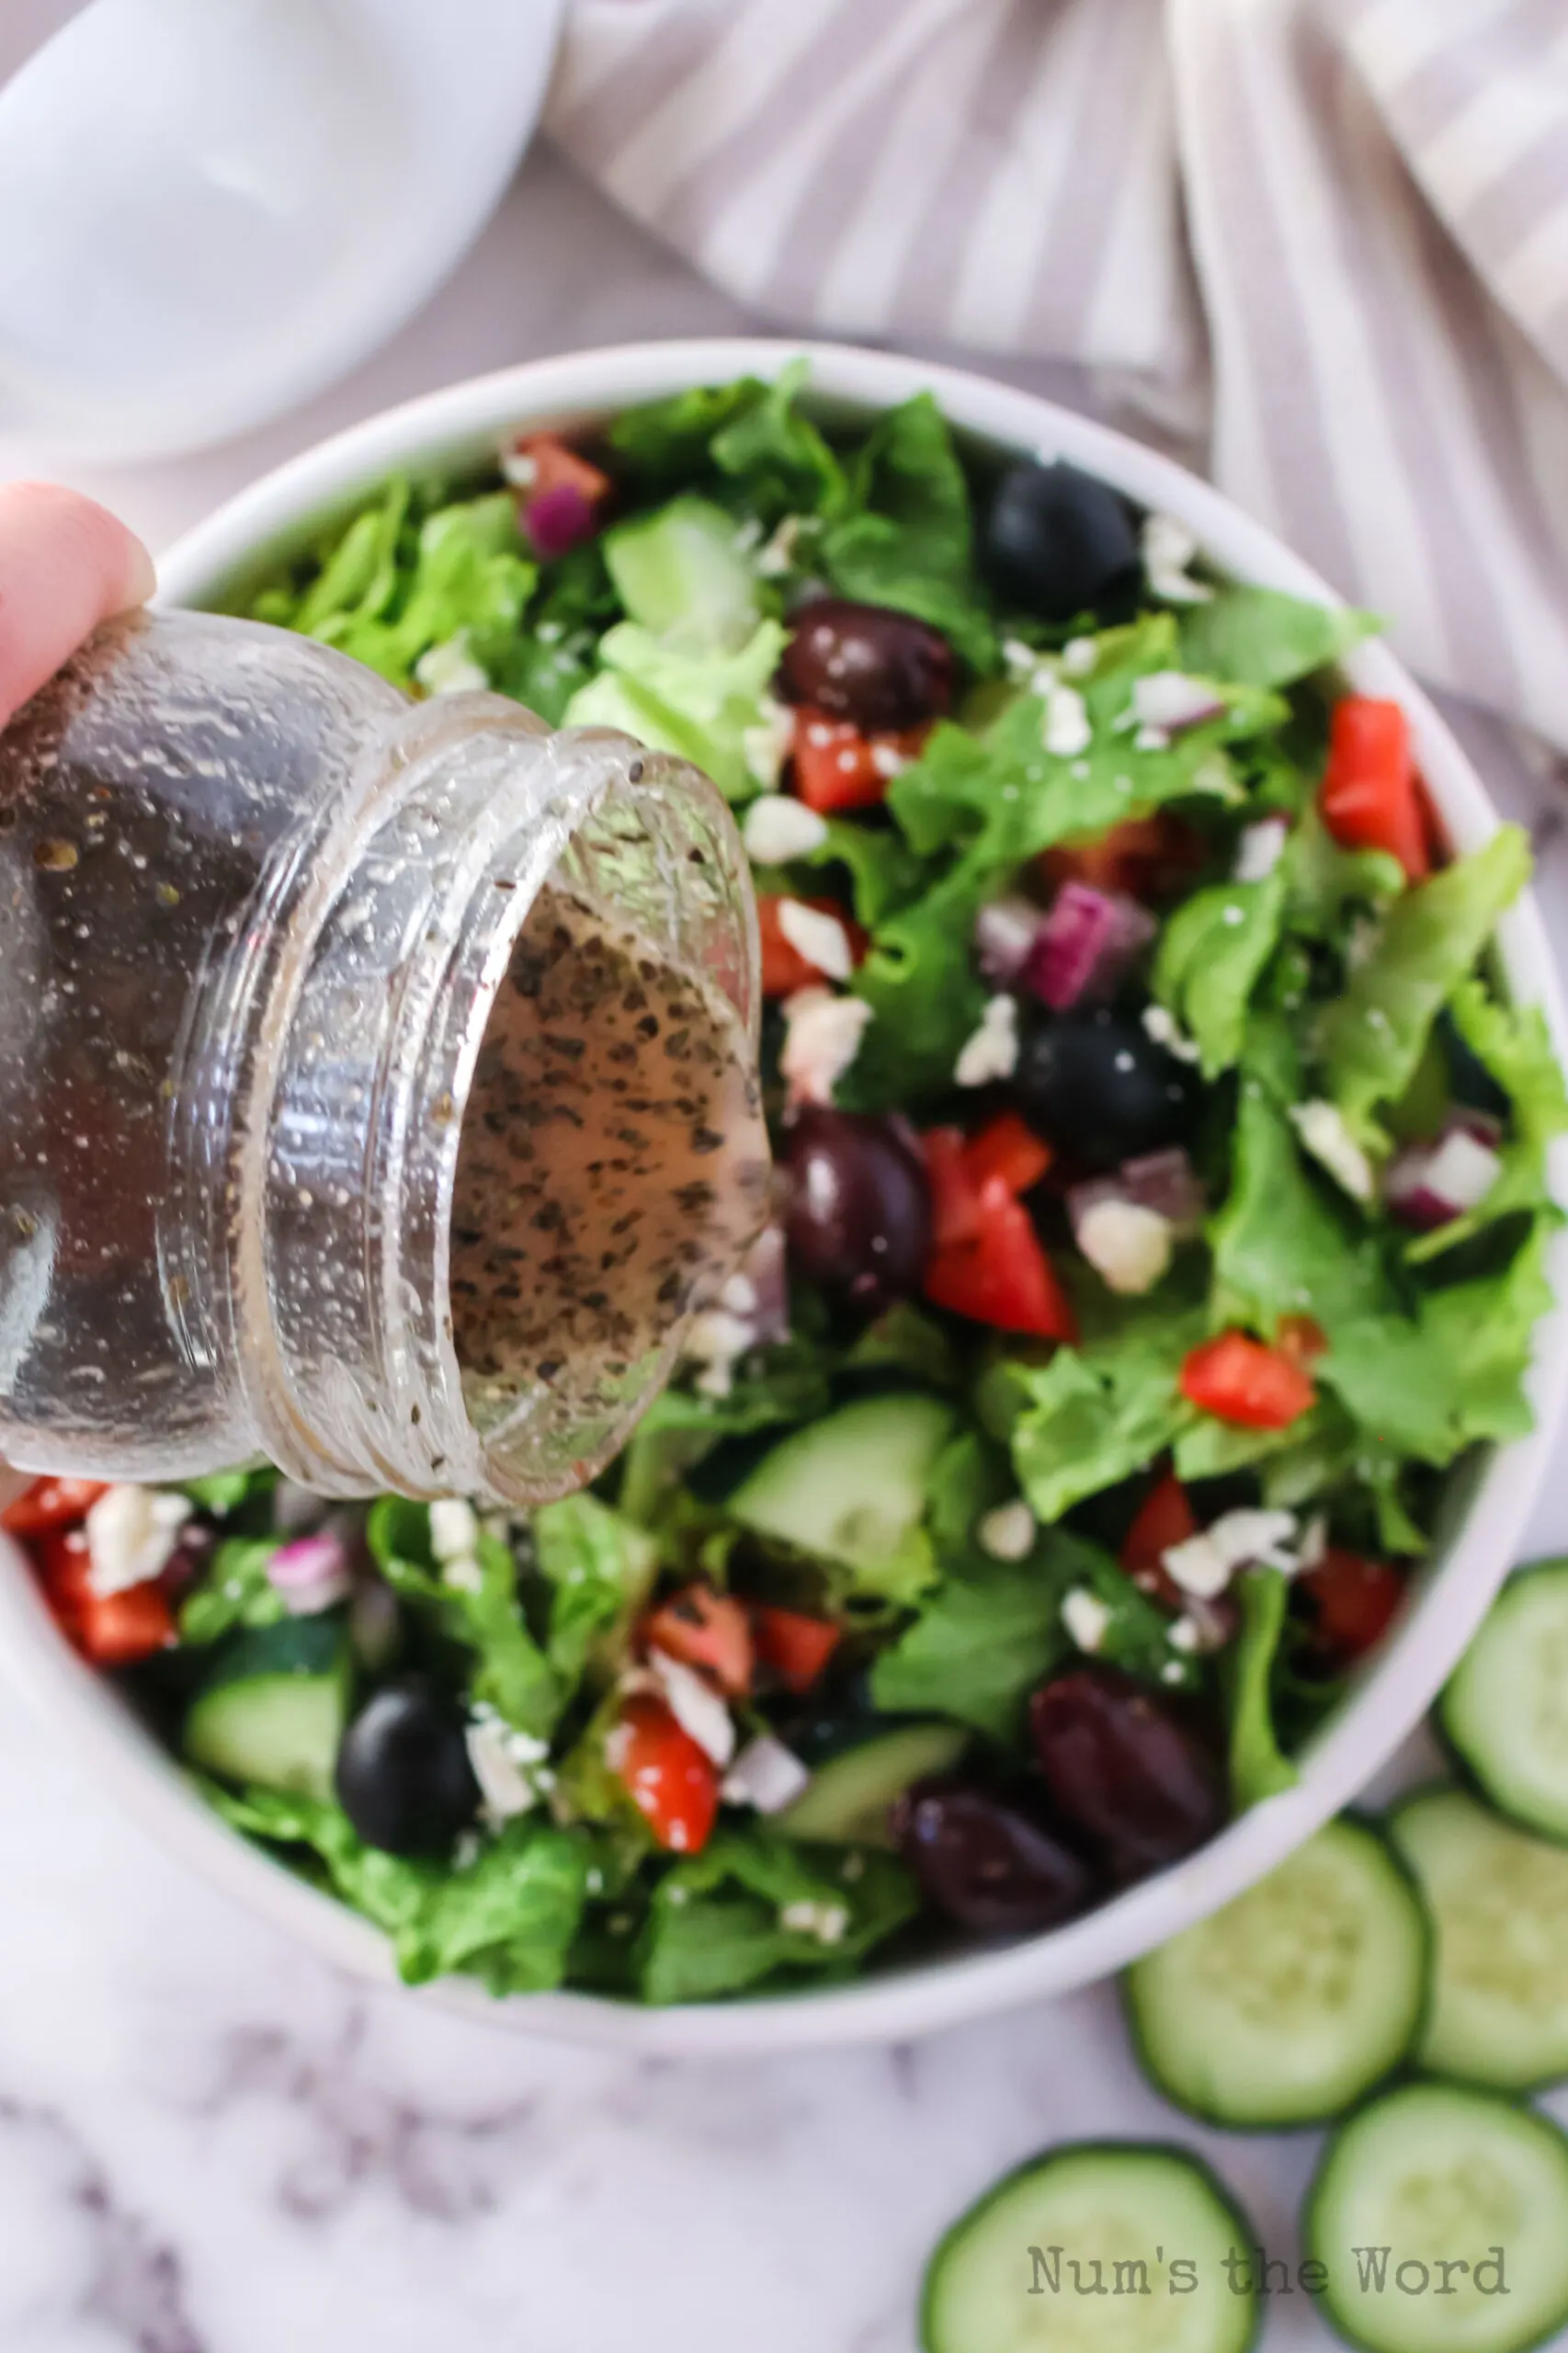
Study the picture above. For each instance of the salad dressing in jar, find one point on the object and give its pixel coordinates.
(377, 1080)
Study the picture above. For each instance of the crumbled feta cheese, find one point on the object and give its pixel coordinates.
(778, 827)
(820, 938)
(518, 468)
(1186, 1635)
(765, 1776)
(696, 1706)
(717, 1340)
(1322, 1129)
(1204, 1565)
(500, 1758)
(821, 1038)
(1066, 730)
(1008, 1532)
(1165, 1030)
(826, 1922)
(1020, 660)
(776, 555)
(1314, 1542)
(993, 1051)
(1127, 1244)
(739, 1295)
(450, 669)
(1079, 657)
(888, 760)
(1085, 1617)
(1168, 548)
(131, 1532)
(1463, 1170)
(1169, 700)
(764, 746)
(454, 1528)
(1260, 848)
(1172, 1671)
(463, 1574)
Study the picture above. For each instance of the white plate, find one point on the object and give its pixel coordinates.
(187, 252)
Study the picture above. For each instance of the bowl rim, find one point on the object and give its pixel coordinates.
(462, 423)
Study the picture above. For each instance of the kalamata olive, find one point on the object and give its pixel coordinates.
(1127, 1767)
(868, 663)
(1097, 1086)
(1058, 542)
(403, 1776)
(985, 1862)
(859, 1214)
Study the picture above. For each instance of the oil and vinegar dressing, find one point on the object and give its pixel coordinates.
(612, 1166)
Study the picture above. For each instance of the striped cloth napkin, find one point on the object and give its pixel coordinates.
(1323, 244)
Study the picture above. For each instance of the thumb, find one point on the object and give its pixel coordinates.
(65, 565)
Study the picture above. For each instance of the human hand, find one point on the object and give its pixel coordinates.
(65, 565)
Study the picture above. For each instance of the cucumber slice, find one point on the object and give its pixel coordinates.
(1415, 2192)
(852, 1488)
(1505, 1711)
(1148, 2223)
(1499, 1900)
(272, 1709)
(681, 574)
(1296, 1999)
(847, 1800)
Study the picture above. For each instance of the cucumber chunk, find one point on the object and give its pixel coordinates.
(1505, 1711)
(1499, 1900)
(1093, 2245)
(1295, 2000)
(852, 1489)
(682, 573)
(847, 1800)
(1414, 2194)
(272, 1709)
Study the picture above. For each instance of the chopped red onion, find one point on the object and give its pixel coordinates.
(1428, 1185)
(1164, 1182)
(1085, 944)
(559, 519)
(310, 1574)
(1004, 936)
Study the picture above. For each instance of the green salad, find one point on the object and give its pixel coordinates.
(1161, 1214)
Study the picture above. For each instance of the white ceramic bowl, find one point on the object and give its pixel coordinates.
(458, 429)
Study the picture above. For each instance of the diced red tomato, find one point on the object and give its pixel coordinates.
(112, 1629)
(784, 969)
(50, 1503)
(706, 1630)
(1302, 1339)
(1355, 1599)
(1003, 1277)
(556, 466)
(838, 767)
(1237, 1379)
(797, 1647)
(1163, 1518)
(1147, 857)
(955, 1195)
(672, 1783)
(1006, 1148)
(1371, 797)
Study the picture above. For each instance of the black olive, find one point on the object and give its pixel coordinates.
(989, 1862)
(403, 1776)
(1100, 1088)
(858, 1220)
(1057, 542)
(867, 664)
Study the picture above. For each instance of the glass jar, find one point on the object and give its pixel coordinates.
(325, 1021)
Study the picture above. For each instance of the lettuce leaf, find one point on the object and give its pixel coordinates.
(1096, 1414)
(700, 706)
(1260, 637)
(511, 1671)
(778, 456)
(234, 1591)
(716, 1924)
(920, 981)
(1210, 958)
(467, 577)
(1371, 1038)
(1514, 1044)
(1259, 1768)
(508, 1918)
(600, 1568)
(1285, 1242)
(907, 539)
(1325, 882)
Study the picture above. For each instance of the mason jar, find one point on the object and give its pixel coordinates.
(378, 1086)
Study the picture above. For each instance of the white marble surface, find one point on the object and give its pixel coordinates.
(209, 2143)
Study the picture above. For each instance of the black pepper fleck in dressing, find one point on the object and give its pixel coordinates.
(612, 1166)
